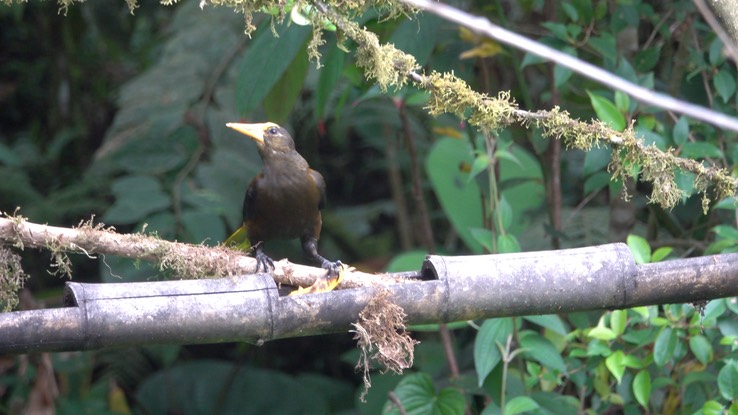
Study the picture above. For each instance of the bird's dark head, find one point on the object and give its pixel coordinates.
(269, 137)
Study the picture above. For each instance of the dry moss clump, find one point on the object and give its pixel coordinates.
(12, 279)
(381, 337)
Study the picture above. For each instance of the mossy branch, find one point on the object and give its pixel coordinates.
(391, 68)
(184, 261)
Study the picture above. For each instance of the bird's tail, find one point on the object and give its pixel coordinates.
(239, 240)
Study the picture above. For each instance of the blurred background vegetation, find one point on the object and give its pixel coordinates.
(123, 117)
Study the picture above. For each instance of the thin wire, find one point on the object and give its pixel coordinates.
(646, 96)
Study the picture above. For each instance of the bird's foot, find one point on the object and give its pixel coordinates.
(332, 268)
(262, 260)
(333, 277)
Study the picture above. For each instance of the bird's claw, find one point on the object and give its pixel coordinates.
(263, 262)
(332, 268)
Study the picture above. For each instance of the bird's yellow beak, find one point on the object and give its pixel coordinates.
(255, 131)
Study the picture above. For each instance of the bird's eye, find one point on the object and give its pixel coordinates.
(272, 130)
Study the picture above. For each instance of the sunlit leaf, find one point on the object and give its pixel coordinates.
(642, 387)
(607, 112)
(640, 249)
(519, 405)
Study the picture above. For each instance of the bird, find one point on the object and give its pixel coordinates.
(283, 201)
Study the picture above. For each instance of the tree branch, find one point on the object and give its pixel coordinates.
(185, 261)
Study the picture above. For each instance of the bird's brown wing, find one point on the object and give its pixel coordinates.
(320, 184)
(249, 200)
(240, 239)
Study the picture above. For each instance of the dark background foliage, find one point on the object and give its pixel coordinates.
(123, 117)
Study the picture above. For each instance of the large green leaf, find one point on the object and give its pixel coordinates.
(642, 387)
(486, 351)
(265, 61)
(607, 112)
(418, 36)
(665, 345)
(552, 322)
(419, 397)
(330, 73)
(281, 99)
(728, 380)
(519, 405)
(135, 198)
(542, 350)
(206, 387)
(461, 201)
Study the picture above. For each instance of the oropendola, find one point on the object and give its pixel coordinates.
(283, 201)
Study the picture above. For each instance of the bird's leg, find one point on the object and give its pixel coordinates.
(262, 260)
(310, 248)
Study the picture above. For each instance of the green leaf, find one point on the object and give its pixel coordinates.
(570, 11)
(596, 160)
(200, 383)
(607, 112)
(728, 380)
(459, 199)
(598, 348)
(557, 29)
(562, 75)
(724, 84)
(480, 164)
(646, 59)
(203, 227)
(601, 332)
(605, 45)
(542, 350)
(418, 36)
(642, 387)
(281, 98)
(407, 261)
(701, 348)
(265, 61)
(681, 131)
(615, 365)
(726, 232)
(519, 405)
(135, 198)
(639, 248)
(700, 149)
(504, 214)
(330, 73)
(485, 237)
(622, 101)
(661, 253)
(618, 321)
(552, 322)
(596, 182)
(716, 55)
(713, 408)
(665, 345)
(418, 396)
(486, 353)
(507, 243)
